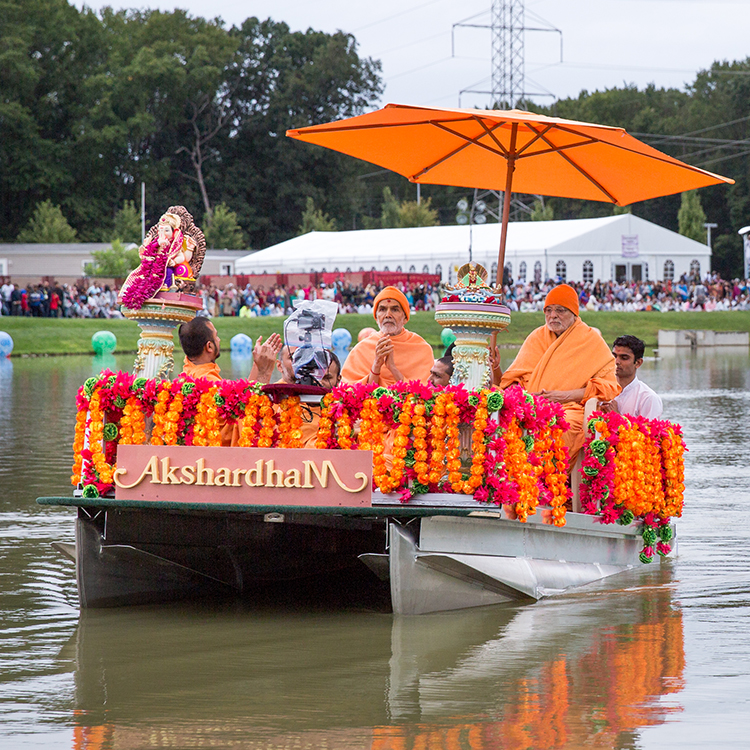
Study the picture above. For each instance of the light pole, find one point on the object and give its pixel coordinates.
(709, 227)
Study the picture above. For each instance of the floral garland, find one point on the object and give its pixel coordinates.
(290, 423)
(424, 426)
(633, 470)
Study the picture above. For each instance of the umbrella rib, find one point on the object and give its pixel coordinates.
(562, 153)
(490, 132)
(445, 157)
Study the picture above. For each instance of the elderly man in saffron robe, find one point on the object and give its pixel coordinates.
(394, 354)
(565, 361)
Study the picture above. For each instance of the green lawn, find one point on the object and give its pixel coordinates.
(43, 336)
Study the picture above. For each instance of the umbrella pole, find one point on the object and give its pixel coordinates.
(506, 205)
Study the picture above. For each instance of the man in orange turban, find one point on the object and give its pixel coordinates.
(565, 361)
(394, 354)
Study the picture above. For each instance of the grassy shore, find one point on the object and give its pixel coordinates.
(48, 336)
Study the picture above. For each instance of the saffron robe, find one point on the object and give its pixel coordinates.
(412, 354)
(578, 358)
(210, 371)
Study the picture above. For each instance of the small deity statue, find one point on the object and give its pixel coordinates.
(472, 286)
(472, 275)
(171, 257)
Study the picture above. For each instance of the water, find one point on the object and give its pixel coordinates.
(654, 658)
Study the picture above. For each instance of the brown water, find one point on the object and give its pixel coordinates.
(655, 658)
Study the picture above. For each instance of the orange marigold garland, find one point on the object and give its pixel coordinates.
(133, 423)
(632, 471)
(207, 430)
(160, 413)
(78, 443)
(325, 424)
(267, 434)
(290, 422)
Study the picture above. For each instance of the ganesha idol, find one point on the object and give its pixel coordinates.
(171, 257)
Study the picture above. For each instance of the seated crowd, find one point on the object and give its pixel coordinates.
(48, 299)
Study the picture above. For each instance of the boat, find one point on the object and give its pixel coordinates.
(472, 509)
(196, 520)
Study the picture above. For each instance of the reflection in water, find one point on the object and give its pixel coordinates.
(593, 668)
(103, 362)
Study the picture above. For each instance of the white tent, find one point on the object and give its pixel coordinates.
(614, 247)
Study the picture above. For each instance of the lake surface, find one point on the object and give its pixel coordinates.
(654, 658)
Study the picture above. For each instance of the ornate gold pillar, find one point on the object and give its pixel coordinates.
(157, 319)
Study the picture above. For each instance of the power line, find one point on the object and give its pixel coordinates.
(396, 15)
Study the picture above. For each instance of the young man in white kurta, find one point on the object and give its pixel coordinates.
(636, 397)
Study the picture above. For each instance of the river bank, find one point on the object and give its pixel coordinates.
(51, 336)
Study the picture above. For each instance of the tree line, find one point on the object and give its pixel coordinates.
(93, 104)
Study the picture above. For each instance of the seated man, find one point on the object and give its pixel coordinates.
(202, 347)
(636, 397)
(394, 354)
(565, 361)
(440, 374)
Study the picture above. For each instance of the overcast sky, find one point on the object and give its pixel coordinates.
(428, 60)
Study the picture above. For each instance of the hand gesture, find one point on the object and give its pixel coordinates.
(264, 357)
(383, 354)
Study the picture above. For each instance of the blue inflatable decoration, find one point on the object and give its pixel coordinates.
(6, 344)
(447, 337)
(341, 340)
(103, 342)
(241, 346)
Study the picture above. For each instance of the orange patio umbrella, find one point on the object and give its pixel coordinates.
(513, 151)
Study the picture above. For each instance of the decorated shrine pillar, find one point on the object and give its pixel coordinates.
(158, 317)
(474, 312)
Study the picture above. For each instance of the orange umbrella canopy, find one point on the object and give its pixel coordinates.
(513, 151)
(472, 148)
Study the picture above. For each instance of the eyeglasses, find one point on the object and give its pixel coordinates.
(557, 310)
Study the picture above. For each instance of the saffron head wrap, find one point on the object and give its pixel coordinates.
(390, 292)
(564, 295)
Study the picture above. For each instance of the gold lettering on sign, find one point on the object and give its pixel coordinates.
(275, 476)
(263, 474)
(223, 477)
(168, 475)
(151, 470)
(254, 477)
(322, 476)
(203, 472)
(188, 474)
(292, 478)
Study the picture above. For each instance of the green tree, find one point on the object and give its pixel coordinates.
(115, 262)
(287, 80)
(691, 217)
(542, 211)
(413, 214)
(314, 220)
(47, 224)
(620, 210)
(390, 215)
(128, 223)
(222, 230)
(404, 214)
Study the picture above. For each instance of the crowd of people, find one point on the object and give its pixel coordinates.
(48, 299)
(710, 293)
(51, 300)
